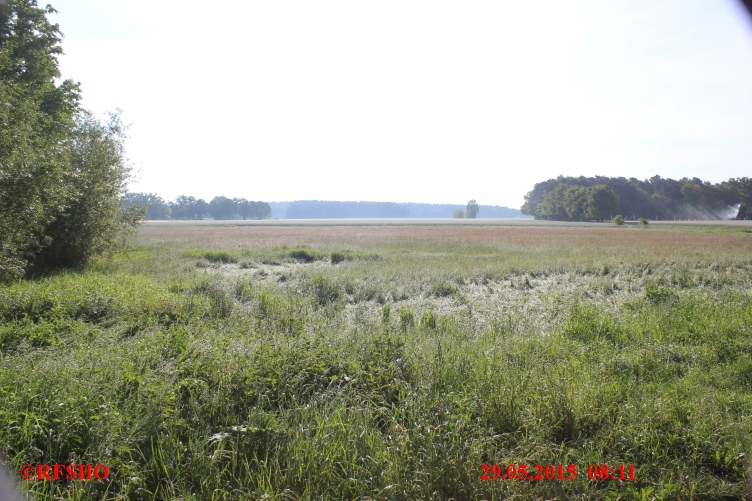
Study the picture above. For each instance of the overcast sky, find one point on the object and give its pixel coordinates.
(412, 100)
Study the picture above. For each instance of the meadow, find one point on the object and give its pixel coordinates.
(389, 360)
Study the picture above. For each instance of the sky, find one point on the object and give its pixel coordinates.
(414, 100)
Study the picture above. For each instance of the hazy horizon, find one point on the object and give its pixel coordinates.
(423, 101)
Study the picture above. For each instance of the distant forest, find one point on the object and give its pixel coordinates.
(320, 209)
(587, 198)
(185, 207)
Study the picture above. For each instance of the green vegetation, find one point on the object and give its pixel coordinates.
(576, 203)
(62, 172)
(586, 198)
(458, 214)
(390, 365)
(618, 220)
(190, 208)
(472, 209)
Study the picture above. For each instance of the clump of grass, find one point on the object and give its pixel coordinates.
(304, 255)
(407, 318)
(428, 320)
(212, 256)
(443, 289)
(324, 289)
(338, 257)
(351, 255)
(659, 294)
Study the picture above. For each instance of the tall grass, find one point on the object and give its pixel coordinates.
(392, 373)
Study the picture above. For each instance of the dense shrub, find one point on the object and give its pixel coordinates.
(62, 172)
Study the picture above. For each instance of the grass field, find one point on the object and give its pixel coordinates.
(388, 360)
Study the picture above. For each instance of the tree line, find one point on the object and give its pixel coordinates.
(186, 207)
(597, 198)
(324, 209)
(62, 171)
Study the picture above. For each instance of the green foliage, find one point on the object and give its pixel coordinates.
(407, 318)
(578, 203)
(214, 385)
(618, 220)
(222, 208)
(443, 289)
(472, 209)
(305, 255)
(458, 214)
(36, 118)
(92, 220)
(601, 200)
(185, 207)
(428, 320)
(659, 294)
(643, 221)
(339, 256)
(324, 289)
(61, 171)
(655, 198)
(247, 209)
(219, 257)
(156, 207)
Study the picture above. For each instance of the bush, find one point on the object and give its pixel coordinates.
(618, 220)
(92, 220)
(62, 172)
(643, 221)
(458, 214)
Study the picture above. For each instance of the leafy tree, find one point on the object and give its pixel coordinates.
(458, 214)
(601, 200)
(35, 119)
(576, 202)
(535, 197)
(222, 208)
(618, 220)
(252, 210)
(261, 210)
(472, 209)
(44, 174)
(185, 207)
(92, 220)
(156, 207)
(552, 206)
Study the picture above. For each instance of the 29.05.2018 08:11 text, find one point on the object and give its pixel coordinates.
(556, 472)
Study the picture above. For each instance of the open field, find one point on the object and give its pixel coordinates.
(389, 360)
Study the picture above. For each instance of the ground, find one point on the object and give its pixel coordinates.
(389, 359)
